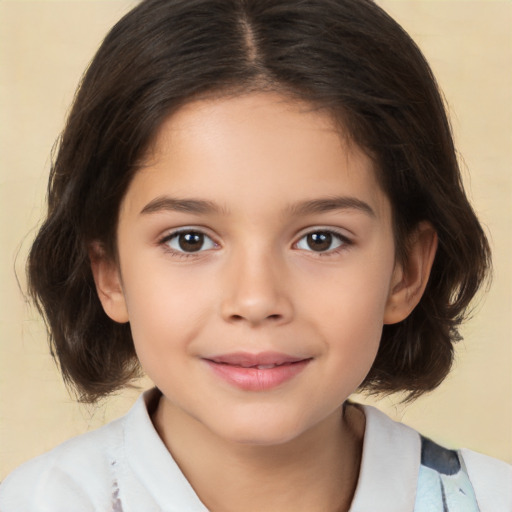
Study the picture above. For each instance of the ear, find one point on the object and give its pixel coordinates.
(108, 283)
(410, 277)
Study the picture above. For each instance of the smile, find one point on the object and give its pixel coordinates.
(256, 372)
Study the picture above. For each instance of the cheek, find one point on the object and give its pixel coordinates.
(349, 312)
(353, 296)
(353, 337)
(166, 309)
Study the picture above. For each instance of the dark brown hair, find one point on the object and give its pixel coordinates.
(347, 56)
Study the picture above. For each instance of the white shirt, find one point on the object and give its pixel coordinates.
(125, 467)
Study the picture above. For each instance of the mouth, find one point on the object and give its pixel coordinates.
(264, 359)
(257, 372)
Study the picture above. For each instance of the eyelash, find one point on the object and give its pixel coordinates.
(344, 242)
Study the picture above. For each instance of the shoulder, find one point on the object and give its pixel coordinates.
(462, 480)
(78, 471)
(403, 467)
(491, 479)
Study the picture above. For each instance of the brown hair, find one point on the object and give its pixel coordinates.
(348, 56)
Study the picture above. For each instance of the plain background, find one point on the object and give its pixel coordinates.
(44, 47)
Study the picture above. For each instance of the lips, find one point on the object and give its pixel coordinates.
(257, 372)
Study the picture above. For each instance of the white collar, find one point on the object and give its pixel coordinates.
(389, 467)
(152, 463)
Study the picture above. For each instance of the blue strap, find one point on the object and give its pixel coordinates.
(443, 482)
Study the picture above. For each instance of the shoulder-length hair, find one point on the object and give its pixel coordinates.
(347, 56)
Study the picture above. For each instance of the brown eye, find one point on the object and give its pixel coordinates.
(189, 241)
(321, 241)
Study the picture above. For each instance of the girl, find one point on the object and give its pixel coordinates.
(257, 202)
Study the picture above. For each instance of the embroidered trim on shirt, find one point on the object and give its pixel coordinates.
(116, 500)
(443, 482)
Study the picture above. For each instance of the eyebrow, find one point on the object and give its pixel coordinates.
(166, 203)
(200, 206)
(328, 204)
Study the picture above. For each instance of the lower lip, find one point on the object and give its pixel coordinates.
(254, 379)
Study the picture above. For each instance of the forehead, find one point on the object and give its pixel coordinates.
(259, 146)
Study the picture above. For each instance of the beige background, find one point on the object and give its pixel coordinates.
(44, 47)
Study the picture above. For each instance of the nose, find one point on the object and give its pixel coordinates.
(256, 291)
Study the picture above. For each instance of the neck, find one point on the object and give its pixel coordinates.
(316, 471)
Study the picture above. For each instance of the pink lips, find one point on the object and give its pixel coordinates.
(256, 372)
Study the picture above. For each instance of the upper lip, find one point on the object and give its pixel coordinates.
(247, 359)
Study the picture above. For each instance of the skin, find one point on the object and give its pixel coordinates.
(258, 285)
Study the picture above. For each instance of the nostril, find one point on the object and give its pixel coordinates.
(240, 318)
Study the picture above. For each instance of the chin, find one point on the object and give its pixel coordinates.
(262, 431)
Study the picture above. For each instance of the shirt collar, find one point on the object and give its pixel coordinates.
(153, 464)
(389, 466)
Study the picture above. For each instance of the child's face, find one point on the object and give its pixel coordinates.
(286, 255)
